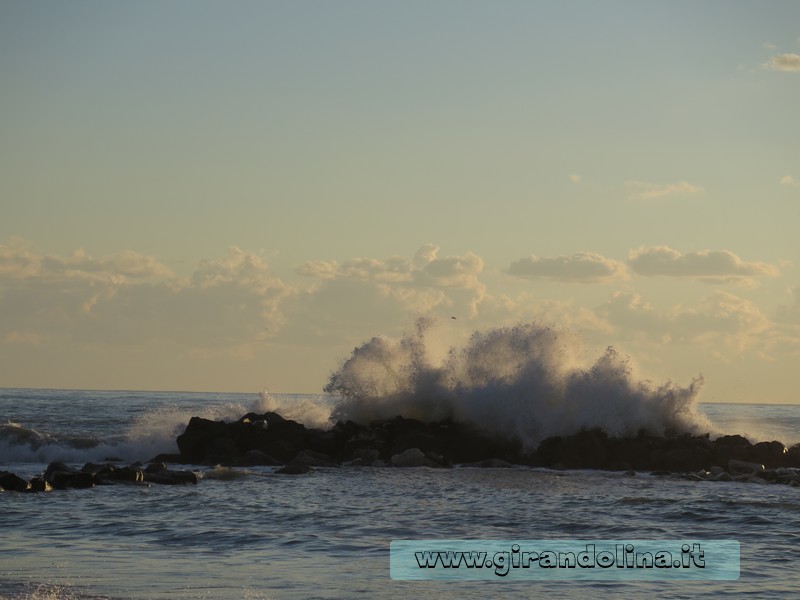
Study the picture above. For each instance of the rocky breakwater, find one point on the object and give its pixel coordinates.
(269, 439)
(59, 476)
(727, 458)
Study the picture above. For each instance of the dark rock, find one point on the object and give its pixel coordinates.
(772, 454)
(413, 457)
(39, 484)
(169, 477)
(61, 477)
(130, 474)
(367, 455)
(176, 459)
(199, 434)
(793, 456)
(256, 458)
(730, 447)
(294, 470)
(741, 466)
(13, 482)
(309, 458)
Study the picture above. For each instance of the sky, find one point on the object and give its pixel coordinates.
(228, 196)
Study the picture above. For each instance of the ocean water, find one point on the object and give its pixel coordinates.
(250, 533)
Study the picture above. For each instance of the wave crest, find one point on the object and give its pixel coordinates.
(526, 381)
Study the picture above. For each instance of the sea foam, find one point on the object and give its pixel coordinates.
(529, 382)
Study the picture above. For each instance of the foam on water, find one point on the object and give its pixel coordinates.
(152, 432)
(528, 381)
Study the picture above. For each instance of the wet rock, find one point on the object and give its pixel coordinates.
(60, 476)
(39, 484)
(170, 477)
(194, 442)
(367, 455)
(294, 470)
(741, 466)
(729, 447)
(770, 453)
(413, 457)
(310, 458)
(129, 474)
(13, 482)
(257, 458)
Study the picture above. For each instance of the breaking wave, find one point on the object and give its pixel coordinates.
(527, 382)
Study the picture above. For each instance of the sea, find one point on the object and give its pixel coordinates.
(252, 533)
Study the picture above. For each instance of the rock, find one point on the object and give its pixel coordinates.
(772, 454)
(741, 466)
(61, 476)
(294, 470)
(13, 482)
(729, 447)
(199, 434)
(368, 455)
(723, 476)
(39, 484)
(168, 459)
(413, 457)
(256, 458)
(130, 474)
(309, 458)
(793, 456)
(169, 477)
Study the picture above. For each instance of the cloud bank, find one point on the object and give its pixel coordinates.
(704, 265)
(583, 267)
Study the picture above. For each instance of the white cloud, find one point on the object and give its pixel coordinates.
(583, 267)
(642, 190)
(705, 265)
(789, 62)
(789, 180)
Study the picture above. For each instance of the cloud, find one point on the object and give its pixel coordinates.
(642, 190)
(583, 267)
(426, 280)
(18, 261)
(722, 322)
(705, 265)
(789, 180)
(131, 299)
(789, 62)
